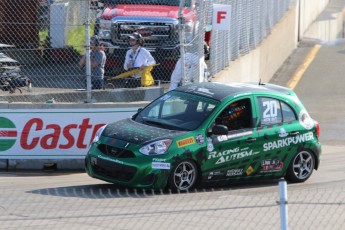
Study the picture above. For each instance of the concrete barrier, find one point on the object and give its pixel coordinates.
(328, 26)
(265, 60)
(307, 19)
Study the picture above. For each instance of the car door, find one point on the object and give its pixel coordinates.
(280, 133)
(230, 156)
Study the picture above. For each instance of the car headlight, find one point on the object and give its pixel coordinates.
(156, 148)
(98, 134)
(104, 29)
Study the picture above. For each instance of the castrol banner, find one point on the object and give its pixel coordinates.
(53, 133)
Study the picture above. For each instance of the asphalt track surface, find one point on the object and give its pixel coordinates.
(72, 200)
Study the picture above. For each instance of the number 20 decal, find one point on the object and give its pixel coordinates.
(271, 109)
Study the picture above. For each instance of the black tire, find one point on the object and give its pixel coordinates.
(301, 167)
(184, 176)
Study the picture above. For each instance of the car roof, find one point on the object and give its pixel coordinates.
(221, 90)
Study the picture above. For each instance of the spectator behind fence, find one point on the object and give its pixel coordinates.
(139, 57)
(191, 62)
(97, 61)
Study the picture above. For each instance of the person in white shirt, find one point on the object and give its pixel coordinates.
(191, 62)
(137, 57)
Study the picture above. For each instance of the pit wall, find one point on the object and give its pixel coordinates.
(263, 62)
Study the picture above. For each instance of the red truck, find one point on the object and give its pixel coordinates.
(156, 20)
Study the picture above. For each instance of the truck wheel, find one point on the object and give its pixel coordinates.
(301, 167)
(184, 176)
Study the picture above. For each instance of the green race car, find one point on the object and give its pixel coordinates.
(209, 133)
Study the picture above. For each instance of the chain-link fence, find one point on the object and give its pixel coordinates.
(42, 42)
(104, 207)
(251, 22)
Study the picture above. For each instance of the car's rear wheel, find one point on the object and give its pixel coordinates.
(301, 167)
(184, 176)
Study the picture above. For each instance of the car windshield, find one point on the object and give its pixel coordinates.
(177, 111)
(187, 3)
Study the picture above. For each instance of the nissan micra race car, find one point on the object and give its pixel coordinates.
(209, 133)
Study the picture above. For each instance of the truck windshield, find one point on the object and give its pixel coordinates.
(187, 3)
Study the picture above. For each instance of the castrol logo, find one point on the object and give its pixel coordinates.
(37, 133)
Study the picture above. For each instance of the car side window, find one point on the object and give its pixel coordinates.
(273, 111)
(237, 115)
(288, 113)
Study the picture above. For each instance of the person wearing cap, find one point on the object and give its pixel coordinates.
(97, 62)
(137, 57)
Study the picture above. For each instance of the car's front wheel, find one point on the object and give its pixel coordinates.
(184, 176)
(301, 167)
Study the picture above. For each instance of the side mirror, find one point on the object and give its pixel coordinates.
(220, 130)
(136, 114)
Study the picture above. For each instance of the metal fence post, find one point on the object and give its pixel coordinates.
(182, 40)
(87, 53)
(283, 205)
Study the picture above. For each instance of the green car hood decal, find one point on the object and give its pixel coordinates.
(134, 132)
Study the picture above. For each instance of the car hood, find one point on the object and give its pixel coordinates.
(134, 132)
(144, 10)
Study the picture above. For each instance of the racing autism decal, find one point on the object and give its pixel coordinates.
(8, 134)
(185, 142)
(231, 154)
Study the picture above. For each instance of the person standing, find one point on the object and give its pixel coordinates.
(97, 62)
(191, 62)
(139, 57)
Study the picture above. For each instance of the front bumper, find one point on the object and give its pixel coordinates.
(126, 172)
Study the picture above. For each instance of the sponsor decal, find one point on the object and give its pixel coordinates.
(200, 139)
(288, 141)
(210, 146)
(212, 174)
(283, 133)
(305, 120)
(249, 170)
(270, 165)
(232, 136)
(231, 155)
(242, 95)
(201, 91)
(234, 172)
(160, 165)
(205, 91)
(158, 160)
(222, 138)
(185, 142)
